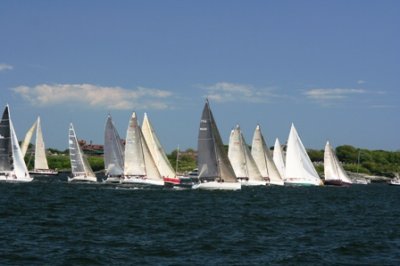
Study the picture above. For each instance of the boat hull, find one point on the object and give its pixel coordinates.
(214, 185)
(297, 183)
(338, 183)
(394, 182)
(11, 178)
(178, 182)
(82, 179)
(43, 172)
(249, 183)
(141, 181)
(112, 179)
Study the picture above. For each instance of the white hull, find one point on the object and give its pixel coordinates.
(141, 180)
(214, 185)
(276, 183)
(302, 182)
(81, 178)
(113, 179)
(252, 182)
(43, 172)
(4, 178)
(395, 182)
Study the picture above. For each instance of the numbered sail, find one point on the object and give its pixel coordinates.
(212, 161)
(333, 170)
(279, 158)
(263, 158)
(79, 162)
(156, 150)
(113, 150)
(299, 168)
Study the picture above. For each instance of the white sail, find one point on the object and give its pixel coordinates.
(40, 151)
(156, 150)
(333, 170)
(113, 150)
(236, 154)
(246, 165)
(138, 159)
(134, 160)
(79, 163)
(27, 139)
(299, 168)
(12, 164)
(263, 159)
(279, 158)
(20, 168)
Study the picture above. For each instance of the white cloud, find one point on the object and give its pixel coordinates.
(231, 92)
(324, 95)
(4, 67)
(95, 96)
(360, 81)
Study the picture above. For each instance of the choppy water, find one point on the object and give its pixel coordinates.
(58, 223)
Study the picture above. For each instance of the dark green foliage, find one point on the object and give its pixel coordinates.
(186, 162)
(316, 155)
(96, 162)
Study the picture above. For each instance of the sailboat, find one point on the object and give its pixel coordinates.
(41, 166)
(299, 168)
(278, 158)
(263, 158)
(171, 179)
(140, 167)
(333, 170)
(80, 167)
(242, 161)
(215, 170)
(113, 153)
(12, 164)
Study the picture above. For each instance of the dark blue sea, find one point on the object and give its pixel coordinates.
(56, 223)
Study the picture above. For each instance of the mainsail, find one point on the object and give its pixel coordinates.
(156, 150)
(79, 162)
(113, 150)
(6, 163)
(333, 170)
(278, 158)
(212, 161)
(299, 168)
(263, 158)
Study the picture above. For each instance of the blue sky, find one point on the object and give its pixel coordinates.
(330, 67)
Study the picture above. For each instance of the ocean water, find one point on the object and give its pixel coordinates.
(56, 223)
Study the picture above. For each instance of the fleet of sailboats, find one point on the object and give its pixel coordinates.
(333, 170)
(12, 164)
(242, 161)
(80, 167)
(142, 160)
(41, 166)
(214, 167)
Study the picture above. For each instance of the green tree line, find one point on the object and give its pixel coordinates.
(373, 162)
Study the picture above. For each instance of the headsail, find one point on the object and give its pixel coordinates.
(263, 158)
(40, 151)
(299, 168)
(156, 149)
(212, 161)
(333, 170)
(279, 158)
(113, 150)
(27, 139)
